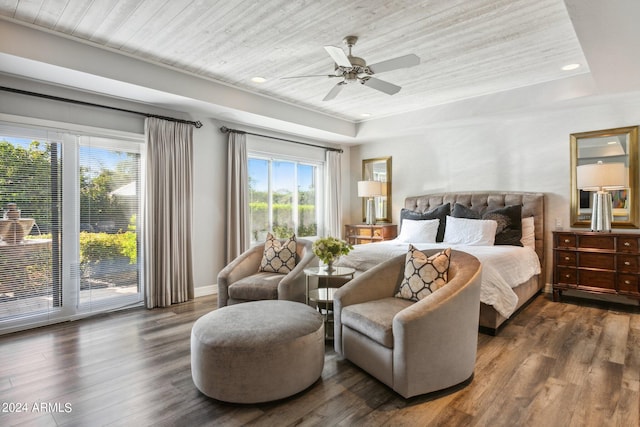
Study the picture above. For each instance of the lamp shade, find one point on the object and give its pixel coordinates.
(598, 176)
(369, 188)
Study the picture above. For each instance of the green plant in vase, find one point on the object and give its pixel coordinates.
(329, 249)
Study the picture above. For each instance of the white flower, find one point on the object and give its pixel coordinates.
(329, 249)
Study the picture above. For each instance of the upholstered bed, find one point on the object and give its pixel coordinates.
(521, 287)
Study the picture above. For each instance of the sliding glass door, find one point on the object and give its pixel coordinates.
(69, 234)
(30, 227)
(109, 177)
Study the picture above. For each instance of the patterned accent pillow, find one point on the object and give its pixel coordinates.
(509, 221)
(279, 257)
(423, 275)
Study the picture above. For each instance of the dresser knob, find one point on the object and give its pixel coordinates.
(627, 263)
(567, 276)
(627, 282)
(567, 258)
(627, 244)
(567, 240)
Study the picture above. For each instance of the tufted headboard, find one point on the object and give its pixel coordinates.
(532, 205)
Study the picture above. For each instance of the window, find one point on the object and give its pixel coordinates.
(69, 234)
(284, 197)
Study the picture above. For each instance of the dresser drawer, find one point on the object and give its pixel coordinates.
(566, 240)
(567, 258)
(628, 245)
(597, 242)
(628, 283)
(597, 260)
(597, 279)
(627, 263)
(567, 276)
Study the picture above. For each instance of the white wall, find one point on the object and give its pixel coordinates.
(514, 152)
(209, 183)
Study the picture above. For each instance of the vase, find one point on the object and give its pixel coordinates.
(329, 267)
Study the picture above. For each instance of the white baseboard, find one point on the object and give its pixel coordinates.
(202, 291)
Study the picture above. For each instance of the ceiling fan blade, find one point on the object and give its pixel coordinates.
(338, 56)
(334, 91)
(311, 75)
(395, 63)
(381, 85)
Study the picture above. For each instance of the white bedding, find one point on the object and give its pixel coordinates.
(503, 267)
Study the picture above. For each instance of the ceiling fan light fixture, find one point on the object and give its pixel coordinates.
(350, 77)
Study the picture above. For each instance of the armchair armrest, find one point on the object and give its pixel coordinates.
(377, 283)
(291, 287)
(243, 266)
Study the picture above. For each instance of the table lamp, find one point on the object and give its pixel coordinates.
(599, 178)
(370, 189)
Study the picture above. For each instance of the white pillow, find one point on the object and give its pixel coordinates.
(472, 232)
(422, 231)
(528, 233)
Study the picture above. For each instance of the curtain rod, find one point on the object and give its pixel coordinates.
(225, 129)
(197, 124)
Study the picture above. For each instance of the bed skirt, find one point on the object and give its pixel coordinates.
(491, 320)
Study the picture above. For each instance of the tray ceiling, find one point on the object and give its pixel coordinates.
(467, 49)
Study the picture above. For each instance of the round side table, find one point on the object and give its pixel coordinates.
(323, 295)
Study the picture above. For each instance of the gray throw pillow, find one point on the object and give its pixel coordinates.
(509, 219)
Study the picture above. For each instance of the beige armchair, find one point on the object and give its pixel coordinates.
(240, 281)
(413, 347)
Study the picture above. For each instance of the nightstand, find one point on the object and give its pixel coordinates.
(365, 233)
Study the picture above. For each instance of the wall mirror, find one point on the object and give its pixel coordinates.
(618, 145)
(379, 169)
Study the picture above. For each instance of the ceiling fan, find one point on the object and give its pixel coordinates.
(353, 69)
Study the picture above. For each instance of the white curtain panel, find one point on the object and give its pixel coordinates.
(168, 273)
(332, 203)
(237, 197)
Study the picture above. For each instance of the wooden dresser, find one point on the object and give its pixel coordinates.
(602, 263)
(362, 233)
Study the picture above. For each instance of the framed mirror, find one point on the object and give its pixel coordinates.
(379, 169)
(618, 145)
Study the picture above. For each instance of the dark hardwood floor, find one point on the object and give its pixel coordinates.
(574, 363)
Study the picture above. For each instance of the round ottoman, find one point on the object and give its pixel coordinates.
(257, 351)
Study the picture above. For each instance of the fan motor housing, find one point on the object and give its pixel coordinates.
(358, 66)
(357, 62)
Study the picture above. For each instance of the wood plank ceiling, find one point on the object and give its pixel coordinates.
(467, 48)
